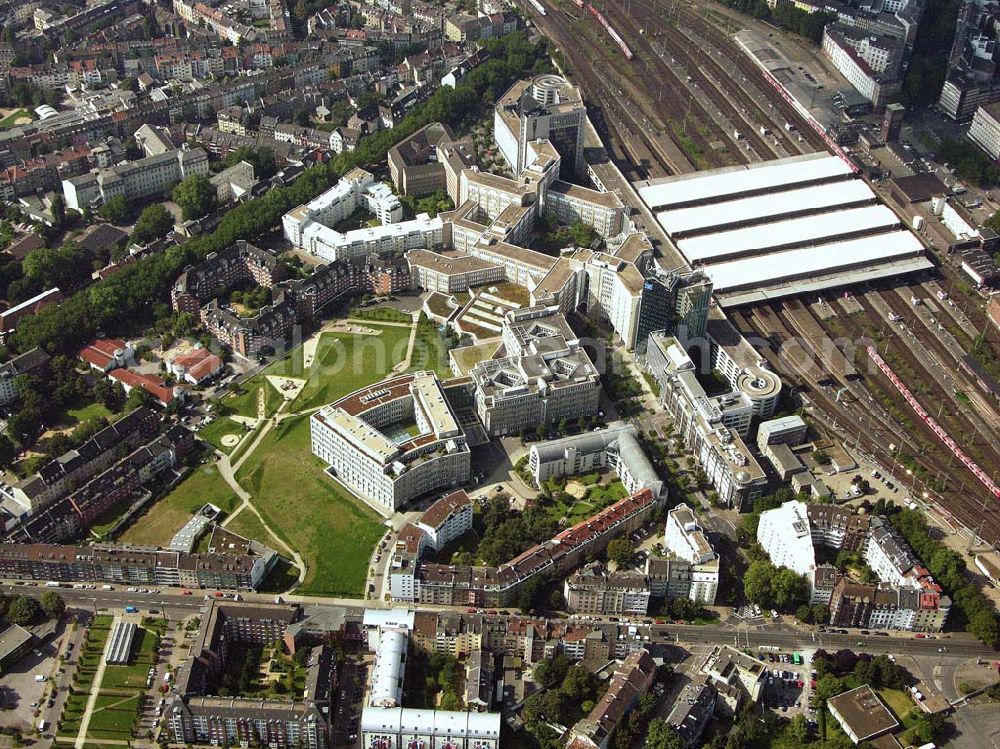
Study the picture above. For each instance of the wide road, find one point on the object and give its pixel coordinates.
(751, 636)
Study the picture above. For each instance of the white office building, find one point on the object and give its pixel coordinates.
(785, 535)
(134, 180)
(712, 427)
(311, 226)
(686, 539)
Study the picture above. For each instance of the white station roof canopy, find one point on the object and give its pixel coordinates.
(807, 230)
(735, 181)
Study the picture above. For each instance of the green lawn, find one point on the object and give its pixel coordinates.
(113, 716)
(245, 403)
(90, 411)
(168, 514)
(214, 432)
(345, 362)
(249, 526)
(429, 350)
(13, 117)
(107, 520)
(333, 531)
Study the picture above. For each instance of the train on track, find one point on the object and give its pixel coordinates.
(626, 50)
(968, 462)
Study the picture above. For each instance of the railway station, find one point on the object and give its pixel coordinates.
(781, 228)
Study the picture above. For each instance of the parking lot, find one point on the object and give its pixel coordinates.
(33, 687)
(348, 696)
(790, 681)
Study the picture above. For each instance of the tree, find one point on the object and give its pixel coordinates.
(23, 610)
(798, 730)
(8, 451)
(58, 209)
(662, 735)
(620, 550)
(116, 209)
(929, 728)
(153, 223)
(757, 583)
(138, 397)
(53, 604)
(196, 196)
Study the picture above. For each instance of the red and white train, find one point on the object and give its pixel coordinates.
(626, 50)
(611, 30)
(968, 462)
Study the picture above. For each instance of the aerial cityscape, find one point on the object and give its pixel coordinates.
(500, 374)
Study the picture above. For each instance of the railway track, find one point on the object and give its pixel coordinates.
(712, 76)
(654, 58)
(723, 40)
(947, 356)
(605, 87)
(855, 415)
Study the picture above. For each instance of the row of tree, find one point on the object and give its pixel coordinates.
(25, 610)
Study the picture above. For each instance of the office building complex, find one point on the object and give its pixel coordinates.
(393, 441)
(615, 447)
(135, 180)
(546, 376)
(714, 428)
(546, 107)
(311, 226)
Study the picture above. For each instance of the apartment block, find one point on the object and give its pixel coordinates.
(594, 590)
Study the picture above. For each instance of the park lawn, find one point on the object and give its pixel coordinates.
(114, 716)
(11, 120)
(214, 432)
(345, 362)
(290, 365)
(429, 350)
(89, 411)
(168, 514)
(248, 525)
(332, 530)
(245, 403)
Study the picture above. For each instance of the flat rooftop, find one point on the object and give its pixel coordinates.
(805, 261)
(863, 712)
(717, 184)
(706, 218)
